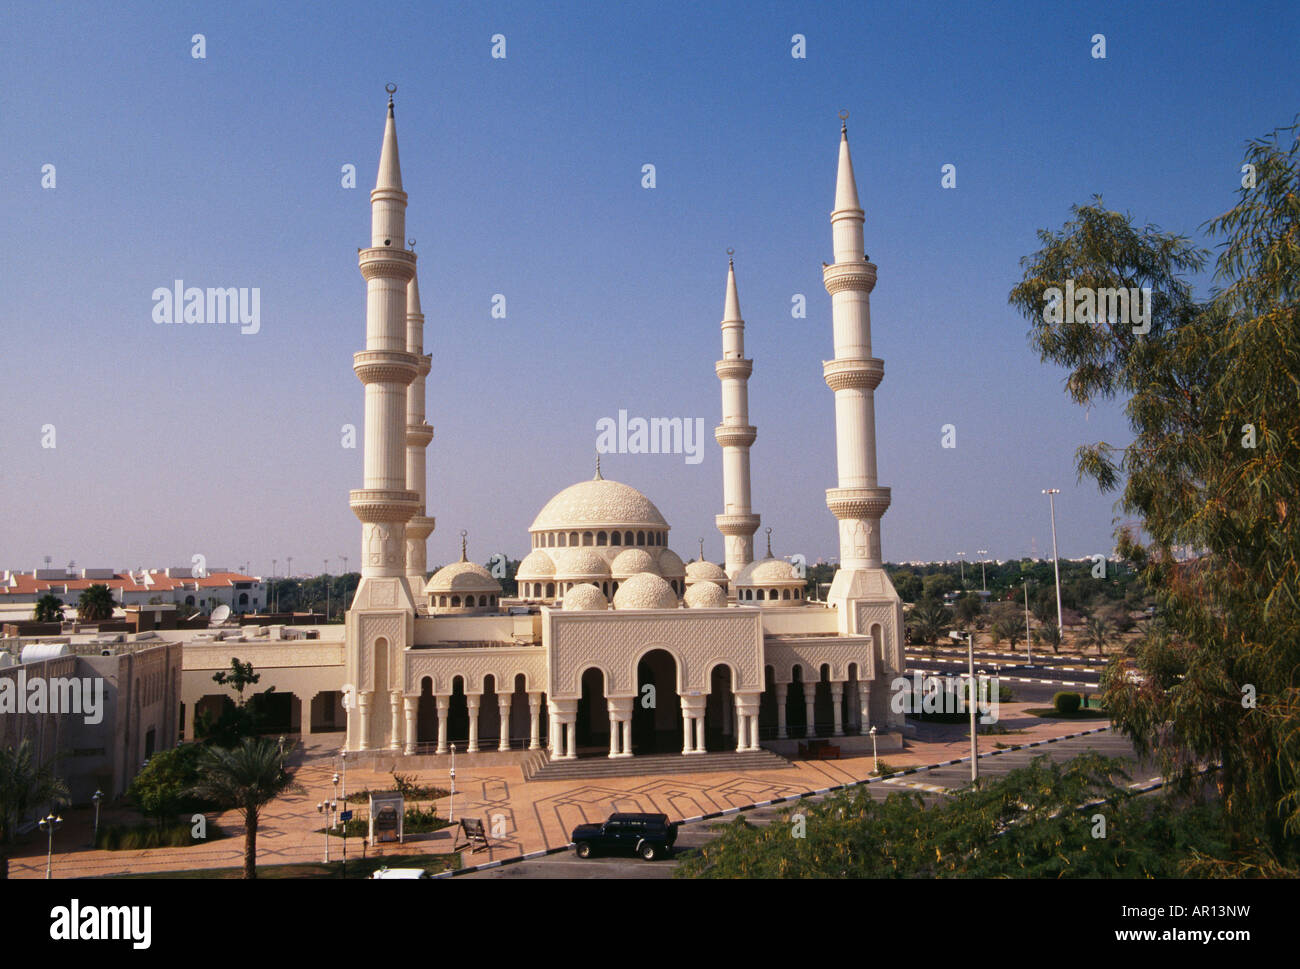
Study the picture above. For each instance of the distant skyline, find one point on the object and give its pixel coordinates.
(524, 177)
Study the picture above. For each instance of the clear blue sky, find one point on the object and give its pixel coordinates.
(524, 179)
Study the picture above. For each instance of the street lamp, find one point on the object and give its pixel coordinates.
(983, 579)
(343, 758)
(1029, 646)
(961, 561)
(1056, 562)
(974, 742)
(327, 808)
(451, 803)
(96, 797)
(273, 591)
(336, 794)
(875, 764)
(49, 824)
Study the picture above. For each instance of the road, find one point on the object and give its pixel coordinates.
(1048, 676)
(931, 785)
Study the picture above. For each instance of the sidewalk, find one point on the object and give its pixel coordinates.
(533, 816)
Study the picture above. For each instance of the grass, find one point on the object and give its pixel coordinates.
(1083, 713)
(357, 868)
(135, 837)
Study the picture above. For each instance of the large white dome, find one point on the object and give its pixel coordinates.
(632, 561)
(585, 596)
(706, 595)
(598, 502)
(579, 564)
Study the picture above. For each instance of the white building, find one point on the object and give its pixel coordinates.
(622, 649)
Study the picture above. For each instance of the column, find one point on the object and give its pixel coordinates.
(742, 727)
(412, 704)
(688, 733)
(395, 720)
(782, 689)
(627, 738)
(304, 715)
(444, 703)
(363, 708)
(189, 720)
(837, 696)
(809, 701)
(613, 737)
(472, 703)
(753, 731)
(571, 732)
(534, 721)
(503, 709)
(699, 735)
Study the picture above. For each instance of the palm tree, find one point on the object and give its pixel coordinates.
(1096, 634)
(245, 778)
(1050, 634)
(929, 620)
(96, 602)
(48, 609)
(24, 786)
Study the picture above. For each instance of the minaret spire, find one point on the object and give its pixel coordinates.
(386, 367)
(735, 434)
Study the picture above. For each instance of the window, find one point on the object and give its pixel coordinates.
(586, 538)
(616, 538)
(600, 538)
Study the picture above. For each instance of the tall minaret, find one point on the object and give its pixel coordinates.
(854, 374)
(418, 435)
(385, 503)
(735, 434)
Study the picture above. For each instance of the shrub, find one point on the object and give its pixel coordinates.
(1067, 703)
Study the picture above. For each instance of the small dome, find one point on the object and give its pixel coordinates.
(706, 572)
(670, 564)
(462, 577)
(536, 565)
(645, 591)
(585, 596)
(580, 564)
(706, 595)
(631, 561)
(768, 571)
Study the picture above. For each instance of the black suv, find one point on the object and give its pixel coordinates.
(649, 835)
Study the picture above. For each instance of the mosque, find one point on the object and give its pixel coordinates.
(612, 643)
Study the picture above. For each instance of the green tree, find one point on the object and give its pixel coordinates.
(95, 603)
(1096, 633)
(1048, 634)
(239, 718)
(929, 620)
(1210, 394)
(26, 787)
(161, 789)
(908, 585)
(968, 609)
(48, 609)
(244, 778)
(934, 586)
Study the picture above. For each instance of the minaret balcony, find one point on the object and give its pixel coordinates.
(374, 505)
(856, 276)
(419, 435)
(385, 366)
(857, 503)
(387, 261)
(737, 524)
(853, 372)
(729, 369)
(421, 526)
(735, 435)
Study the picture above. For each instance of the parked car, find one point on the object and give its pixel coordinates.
(386, 873)
(649, 835)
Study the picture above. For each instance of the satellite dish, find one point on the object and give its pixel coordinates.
(221, 613)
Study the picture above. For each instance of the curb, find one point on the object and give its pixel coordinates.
(782, 800)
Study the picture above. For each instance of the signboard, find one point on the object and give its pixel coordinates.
(345, 816)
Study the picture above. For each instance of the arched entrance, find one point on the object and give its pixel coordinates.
(426, 717)
(593, 715)
(657, 713)
(720, 711)
(458, 713)
(796, 710)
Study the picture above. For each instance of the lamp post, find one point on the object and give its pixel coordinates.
(1029, 645)
(451, 803)
(961, 561)
(983, 578)
(875, 764)
(336, 796)
(326, 577)
(1056, 562)
(327, 808)
(343, 757)
(49, 824)
(273, 592)
(96, 797)
(974, 741)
